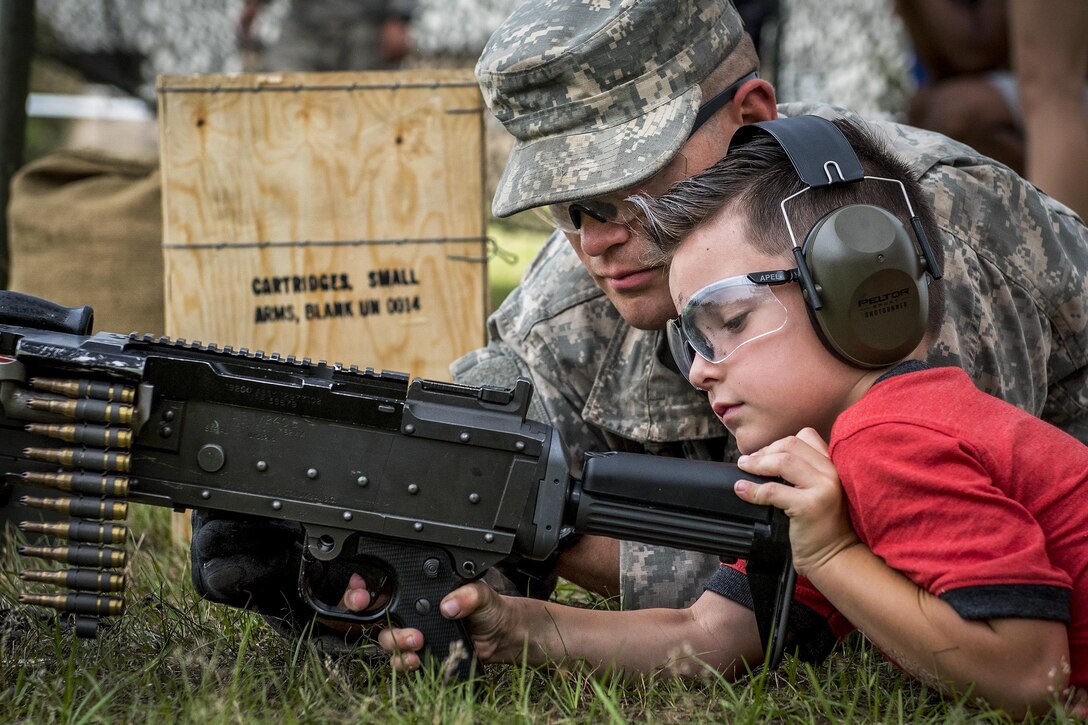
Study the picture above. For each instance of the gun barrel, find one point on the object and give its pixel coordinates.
(632, 522)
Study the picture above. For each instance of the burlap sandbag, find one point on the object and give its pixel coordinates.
(86, 229)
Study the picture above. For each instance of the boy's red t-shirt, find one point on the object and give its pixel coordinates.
(971, 498)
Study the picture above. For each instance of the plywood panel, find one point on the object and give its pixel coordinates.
(333, 216)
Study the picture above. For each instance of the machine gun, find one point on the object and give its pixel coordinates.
(427, 481)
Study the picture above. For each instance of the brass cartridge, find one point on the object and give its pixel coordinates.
(94, 484)
(78, 554)
(86, 389)
(77, 530)
(95, 411)
(82, 579)
(92, 458)
(80, 506)
(92, 435)
(78, 603)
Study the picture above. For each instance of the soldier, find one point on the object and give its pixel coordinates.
(606, 101)
(333, 35)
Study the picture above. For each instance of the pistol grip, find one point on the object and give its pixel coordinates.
(421, 576)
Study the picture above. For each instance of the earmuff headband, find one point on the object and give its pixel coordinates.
(814, 145)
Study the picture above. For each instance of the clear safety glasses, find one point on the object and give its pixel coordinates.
(724, 316)
(614, 208)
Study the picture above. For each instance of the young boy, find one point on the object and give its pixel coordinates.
(948, 526)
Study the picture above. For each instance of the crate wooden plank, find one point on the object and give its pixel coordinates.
(337, 216)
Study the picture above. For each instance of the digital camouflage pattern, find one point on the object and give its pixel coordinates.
(865, 69)
(1017, 322)
(591, 110)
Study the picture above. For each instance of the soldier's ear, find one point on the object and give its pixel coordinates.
(755, 101)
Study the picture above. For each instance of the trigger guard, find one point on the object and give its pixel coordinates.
(378, 616)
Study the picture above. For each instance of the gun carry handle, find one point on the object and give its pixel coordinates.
(421, 576)
(27, 311)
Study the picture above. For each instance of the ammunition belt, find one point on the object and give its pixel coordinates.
(89, 442)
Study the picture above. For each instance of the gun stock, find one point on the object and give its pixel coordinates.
(430, 482)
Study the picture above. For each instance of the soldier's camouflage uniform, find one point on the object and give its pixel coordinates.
(1017, 322)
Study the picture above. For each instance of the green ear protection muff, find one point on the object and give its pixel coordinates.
(862, 275)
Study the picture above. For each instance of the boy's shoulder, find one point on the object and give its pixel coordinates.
(914, 393)
(940, 407)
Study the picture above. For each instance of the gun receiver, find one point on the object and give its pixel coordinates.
(430, 482)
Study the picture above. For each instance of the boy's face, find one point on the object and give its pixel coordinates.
(777, 384)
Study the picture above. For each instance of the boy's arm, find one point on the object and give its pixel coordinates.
(714, 632)
(1012, 663)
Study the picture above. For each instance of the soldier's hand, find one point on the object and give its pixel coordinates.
(253, 563)
(246, 562)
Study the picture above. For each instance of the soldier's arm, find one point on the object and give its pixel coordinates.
(593, 564)
(1016, 268)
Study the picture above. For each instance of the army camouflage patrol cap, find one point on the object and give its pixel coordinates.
(598, 94)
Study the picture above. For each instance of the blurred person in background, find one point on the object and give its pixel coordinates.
(1007, 77)
(332, 35)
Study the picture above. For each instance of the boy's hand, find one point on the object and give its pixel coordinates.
(489, 615)
(819, 525)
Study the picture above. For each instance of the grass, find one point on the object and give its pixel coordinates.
(517, 241)
(175, 658)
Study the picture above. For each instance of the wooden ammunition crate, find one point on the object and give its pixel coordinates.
(335, 216)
